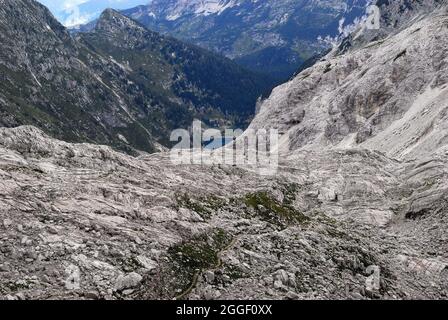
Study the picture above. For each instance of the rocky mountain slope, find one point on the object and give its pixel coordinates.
(74, 13)
(271, 36)
(85, 222)
(77, 91)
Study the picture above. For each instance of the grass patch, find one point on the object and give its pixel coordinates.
(275, 212)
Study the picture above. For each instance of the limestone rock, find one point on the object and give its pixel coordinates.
(129, 281)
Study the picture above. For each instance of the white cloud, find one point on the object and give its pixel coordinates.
(75, 12)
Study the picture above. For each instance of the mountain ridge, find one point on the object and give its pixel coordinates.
(347, 99)
(275, 37)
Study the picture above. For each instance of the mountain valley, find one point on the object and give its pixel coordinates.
(83, 90)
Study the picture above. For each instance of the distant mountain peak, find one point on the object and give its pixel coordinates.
(112, 21)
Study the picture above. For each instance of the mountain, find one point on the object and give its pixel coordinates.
(76, 90)
(214, 89)
(357, 209)
(274, 37)
(51, 81)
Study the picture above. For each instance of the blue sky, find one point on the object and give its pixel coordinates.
(75, 12)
